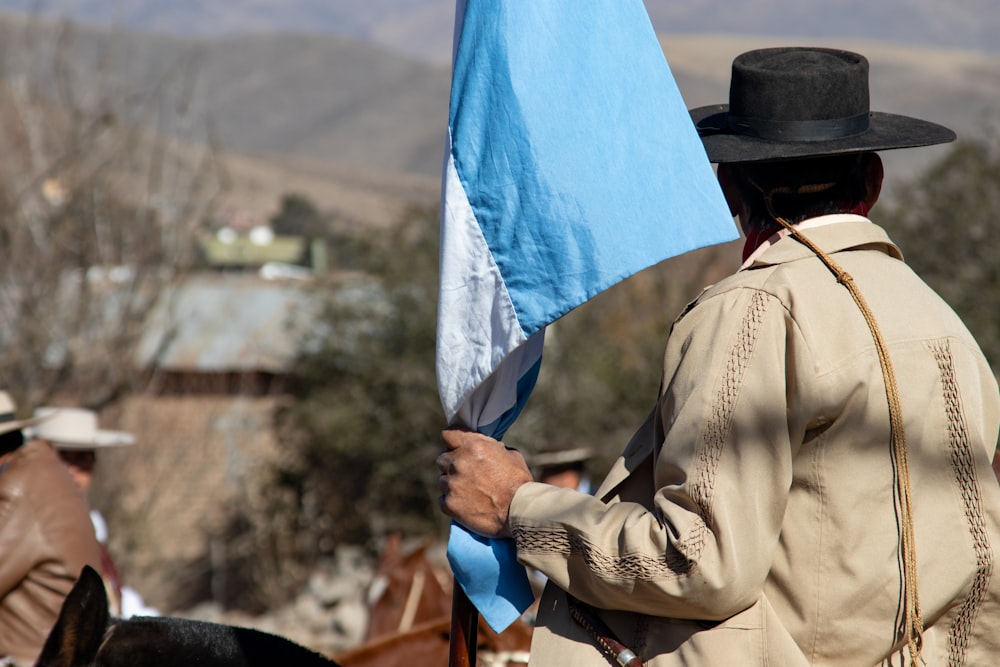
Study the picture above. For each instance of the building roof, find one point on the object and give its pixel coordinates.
(227, 322)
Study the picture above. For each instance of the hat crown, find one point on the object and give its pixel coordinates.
(7, 406)
(799, 84)
(66, 425)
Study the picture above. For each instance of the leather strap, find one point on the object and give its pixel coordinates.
(587, 618)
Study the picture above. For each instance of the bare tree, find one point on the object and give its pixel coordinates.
(102, 189)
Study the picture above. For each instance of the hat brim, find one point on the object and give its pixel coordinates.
(564, 457)
(100, 440)
(886, 132)
(20, 424)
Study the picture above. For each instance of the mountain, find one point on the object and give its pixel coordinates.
(361, 129)
(358, 129)
(325, 97)
(423, 28)
(963, 24)
(310, 95)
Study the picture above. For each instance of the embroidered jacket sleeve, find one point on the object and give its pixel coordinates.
(694, 535)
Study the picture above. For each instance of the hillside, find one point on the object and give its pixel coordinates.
(358, 130)
(316, 96)
(280, 95)
(361, 129)
(423, 28)
(325, 97)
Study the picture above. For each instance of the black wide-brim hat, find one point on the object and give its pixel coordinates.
(798, 102)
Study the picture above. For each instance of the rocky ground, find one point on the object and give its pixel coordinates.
(329, 615)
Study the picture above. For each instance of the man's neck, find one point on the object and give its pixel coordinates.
(756, 245)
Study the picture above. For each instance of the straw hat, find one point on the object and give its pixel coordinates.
(8, 416)
(76, 428)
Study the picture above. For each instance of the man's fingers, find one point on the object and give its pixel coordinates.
(443, 505)
(454, 438)
(445, 463)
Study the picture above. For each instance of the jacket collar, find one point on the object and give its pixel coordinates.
(832, 233)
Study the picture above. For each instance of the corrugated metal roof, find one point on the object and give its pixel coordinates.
(227, 322)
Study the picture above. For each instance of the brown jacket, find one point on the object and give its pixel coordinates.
(751, 521)
(45, 540)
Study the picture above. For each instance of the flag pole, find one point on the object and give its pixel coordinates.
(464, 628)
(462, 640)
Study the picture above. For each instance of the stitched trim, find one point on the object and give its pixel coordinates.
(719, 425)
(678, 560)
(640, 567)
(963, 464)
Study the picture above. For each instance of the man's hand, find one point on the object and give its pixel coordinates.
(479, 477)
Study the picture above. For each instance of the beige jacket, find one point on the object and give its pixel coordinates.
(45, 540)
(750, 521)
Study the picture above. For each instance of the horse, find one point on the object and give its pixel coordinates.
(85, 635)
(409, 604)
(427, 643)
(408, 588)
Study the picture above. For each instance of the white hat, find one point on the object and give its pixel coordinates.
(8, 416)
(76, 428)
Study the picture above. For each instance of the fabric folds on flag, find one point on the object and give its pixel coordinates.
(571, 164)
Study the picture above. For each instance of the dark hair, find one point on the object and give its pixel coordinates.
(800, 189)
(11, 441)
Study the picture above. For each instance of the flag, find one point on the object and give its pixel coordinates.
(571, 164)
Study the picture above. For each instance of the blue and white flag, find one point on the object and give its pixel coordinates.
(572, 164)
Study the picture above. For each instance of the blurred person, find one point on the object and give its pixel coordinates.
(45, 538)
(74, 434)
(563, 464)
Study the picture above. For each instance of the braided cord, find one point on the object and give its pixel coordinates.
(913, 627)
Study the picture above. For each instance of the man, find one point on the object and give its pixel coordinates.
(814, 486)
(45, 538)
(74, 434)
